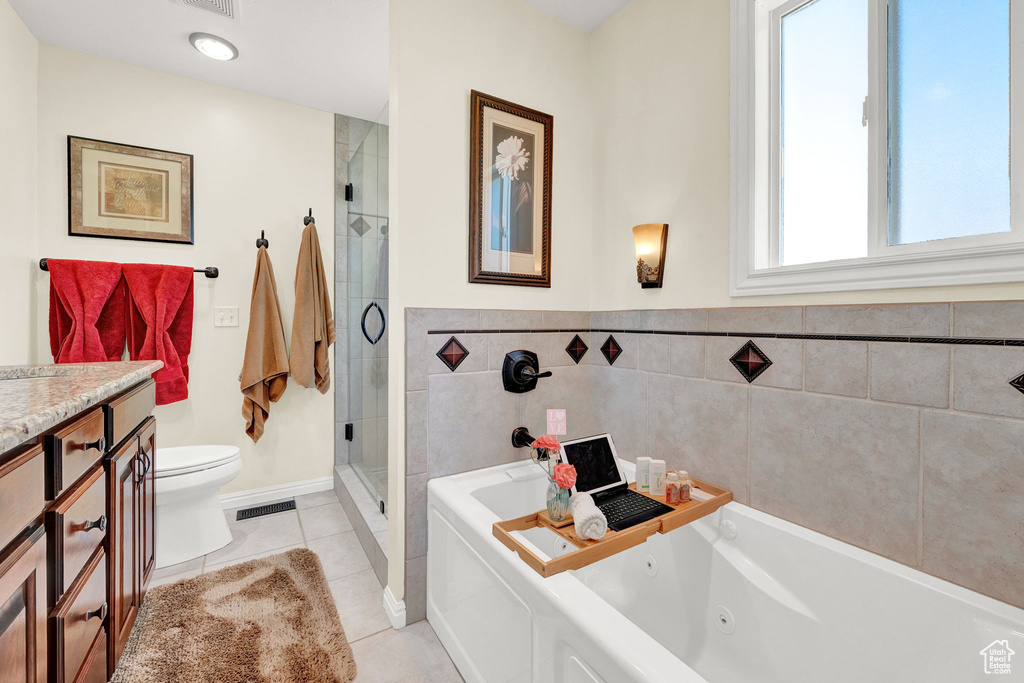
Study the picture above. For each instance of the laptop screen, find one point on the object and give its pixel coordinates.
(595, 463)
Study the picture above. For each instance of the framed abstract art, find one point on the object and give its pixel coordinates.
(510, 193)
(126, 192)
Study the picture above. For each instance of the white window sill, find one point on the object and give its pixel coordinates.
(980, 265)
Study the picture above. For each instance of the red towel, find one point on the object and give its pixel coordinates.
(87, 304)
(160, 323)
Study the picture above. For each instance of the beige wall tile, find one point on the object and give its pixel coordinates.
(675, 320)
(500, 344)
(788, 319)
(417, 356)
(701, 427)
(619, 399)
(918, 320)
(415, 515)
(973, 505)
(511, 320)
(655, 353)
(999, 319)
(836, 367)
(917, 374)
(686, 355)
(478, 345)
(981, 376)
(566, 320)
(786, 355)
(615, 320)
(447, 318)
(569, 388)
(471, 422)
(846, 468)
(417, 443)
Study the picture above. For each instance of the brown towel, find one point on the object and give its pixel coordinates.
(313, 326)
(265, 370)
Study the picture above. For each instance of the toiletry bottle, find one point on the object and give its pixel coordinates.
(684, 486)
(672, 488)
(643, 475)
(657, 477)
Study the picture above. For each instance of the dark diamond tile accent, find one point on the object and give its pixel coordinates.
(1018, 383)
(611, 350)
(576, 349)
(750, 361)
(452, 353)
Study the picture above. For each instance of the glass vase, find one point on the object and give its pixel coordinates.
(558, 502)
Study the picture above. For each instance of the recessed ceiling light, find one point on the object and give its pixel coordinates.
(213, 46)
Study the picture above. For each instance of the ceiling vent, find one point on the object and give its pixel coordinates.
(223, 8)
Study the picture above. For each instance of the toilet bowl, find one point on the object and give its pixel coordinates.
(189, 519)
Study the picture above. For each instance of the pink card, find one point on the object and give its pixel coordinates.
(556, 421)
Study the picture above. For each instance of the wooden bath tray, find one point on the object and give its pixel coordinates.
(613, 542)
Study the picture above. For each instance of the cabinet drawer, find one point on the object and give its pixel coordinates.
(22, 490)
(73, 449)
(78, 620)
(127, 411)
(76, 525)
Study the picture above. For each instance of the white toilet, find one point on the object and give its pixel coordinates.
(189, 518)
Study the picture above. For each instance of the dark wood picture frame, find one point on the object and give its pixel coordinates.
(478, 166)
(182, 232)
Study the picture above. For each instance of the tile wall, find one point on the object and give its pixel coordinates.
(895, 428)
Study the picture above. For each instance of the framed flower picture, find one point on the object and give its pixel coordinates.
(127, 192)
(510, 193)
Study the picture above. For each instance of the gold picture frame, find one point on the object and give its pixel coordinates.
(118, 191)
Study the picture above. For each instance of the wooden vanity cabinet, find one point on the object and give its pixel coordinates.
(23, 640)
(77, 541)
(131, 542)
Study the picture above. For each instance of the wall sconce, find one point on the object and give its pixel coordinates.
(650, 239)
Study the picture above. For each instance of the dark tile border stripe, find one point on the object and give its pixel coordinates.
(966, 341)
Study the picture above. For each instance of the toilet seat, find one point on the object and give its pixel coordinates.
(181, 460)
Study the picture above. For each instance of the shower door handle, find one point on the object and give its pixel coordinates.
(383, 322)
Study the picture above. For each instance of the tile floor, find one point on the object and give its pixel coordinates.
(320, 524)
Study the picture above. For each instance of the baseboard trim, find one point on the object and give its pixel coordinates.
(269, 494)
(394, 609)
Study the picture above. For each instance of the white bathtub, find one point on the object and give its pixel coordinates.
(776, 602)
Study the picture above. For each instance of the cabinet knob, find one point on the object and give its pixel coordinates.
(99, 444)
(100, 524)
(98, 613)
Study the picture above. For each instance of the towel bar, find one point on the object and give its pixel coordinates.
(209, 271)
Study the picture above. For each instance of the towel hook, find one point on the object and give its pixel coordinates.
(306, 220)
(262, 241)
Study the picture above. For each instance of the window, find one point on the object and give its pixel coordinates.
(871, 145)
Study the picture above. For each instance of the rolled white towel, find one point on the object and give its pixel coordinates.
(591, 524)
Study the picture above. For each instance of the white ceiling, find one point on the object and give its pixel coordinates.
(326, 54)
(584, 14)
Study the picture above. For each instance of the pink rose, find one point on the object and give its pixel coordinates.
(565, 475)
(546, 442)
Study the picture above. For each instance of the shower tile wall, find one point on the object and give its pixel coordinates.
(909, 449)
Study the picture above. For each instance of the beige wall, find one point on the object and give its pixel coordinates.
(440, 51)
(18, 105)
(259, 164)
(660, 70)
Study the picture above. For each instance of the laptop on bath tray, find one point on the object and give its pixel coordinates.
(598, 473)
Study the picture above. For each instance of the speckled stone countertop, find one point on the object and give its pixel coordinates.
(34, 398)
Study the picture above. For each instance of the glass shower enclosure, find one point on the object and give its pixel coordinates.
(368, 313)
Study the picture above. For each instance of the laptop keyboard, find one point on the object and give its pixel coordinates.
(631, 509)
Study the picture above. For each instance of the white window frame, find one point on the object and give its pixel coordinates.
(755, 169)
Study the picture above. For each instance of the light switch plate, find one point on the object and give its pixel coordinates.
(225, 316)
(556, 422)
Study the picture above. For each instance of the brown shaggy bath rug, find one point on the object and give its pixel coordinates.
(270, 620)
